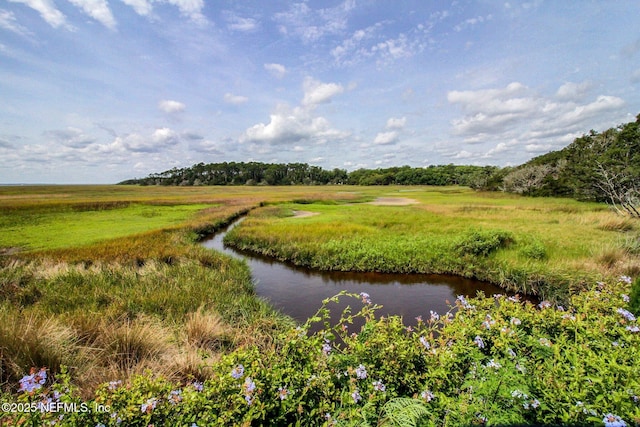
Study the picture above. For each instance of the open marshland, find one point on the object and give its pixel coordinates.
(107, 288)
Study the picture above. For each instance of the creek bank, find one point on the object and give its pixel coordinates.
(299, 291)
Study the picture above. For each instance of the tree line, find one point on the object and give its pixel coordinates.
(257, 173)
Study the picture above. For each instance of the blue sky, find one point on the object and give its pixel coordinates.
(98, 91)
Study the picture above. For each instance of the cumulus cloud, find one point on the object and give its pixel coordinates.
(386, 138)
(98, 10)
(70, 137)
(316, 92)
(47, 10)
(206, 146)
(159, 140)
(573, 91)
(276, 70)
(288, 125)
(516, 117)
(396, 123)
(170, 106)
(230, 98)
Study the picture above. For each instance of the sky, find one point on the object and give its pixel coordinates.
(99, 91)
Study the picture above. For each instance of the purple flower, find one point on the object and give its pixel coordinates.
(626, 314)
(427, 395)
(493, 364)
(365, 297)
(197, 385)
(326, 348)
(249, 386)
(34, 381)
(463, 302)
(114, 385)
(149, 405)
(356, 396)
(175, 397)
(361, 372)
(625, 279)
(434, 316)
(237, 372)
(283, 393)
(611, 420)
(544, 304)
(379, 386)
(478, 341)
(425, 343)
(633, 328)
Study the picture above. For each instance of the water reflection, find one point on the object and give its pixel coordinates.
(299, 292)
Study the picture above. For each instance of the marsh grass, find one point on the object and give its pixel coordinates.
(28, 340)
(540, 246)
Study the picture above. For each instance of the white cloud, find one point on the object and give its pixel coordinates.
(396, 123)
(159, 140)
(288, 125)
(237, 23)
(311, 25)
(235, 99)
(292, 125)
(386, 138)
(189, 8)
(206, 146)
(573, 91)
(47, 10)
(516, 116)
(471, 22)
(142, 7)
(276, 70)
(98, 10)
(352, 49)
(8, 22)
(170, 106)
(70, 137)
(316, 92)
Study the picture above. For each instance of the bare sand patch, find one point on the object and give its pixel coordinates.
(304, 214)
(393, 201)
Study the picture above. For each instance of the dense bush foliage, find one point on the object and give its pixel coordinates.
(493, 361)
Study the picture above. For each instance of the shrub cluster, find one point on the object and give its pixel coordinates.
(489, 360)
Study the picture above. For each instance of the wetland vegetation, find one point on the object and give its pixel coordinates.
(106, 289)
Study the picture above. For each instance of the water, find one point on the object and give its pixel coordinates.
(299, 292)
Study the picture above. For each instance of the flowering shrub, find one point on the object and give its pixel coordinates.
(493, 360)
